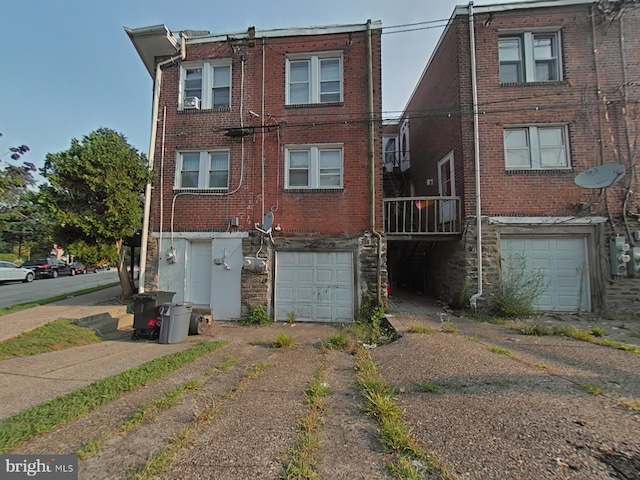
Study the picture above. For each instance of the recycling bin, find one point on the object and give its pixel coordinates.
(174, 322)
(146, 312)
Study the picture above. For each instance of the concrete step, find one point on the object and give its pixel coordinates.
(117, 319)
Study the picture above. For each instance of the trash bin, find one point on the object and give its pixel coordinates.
(175, 320)
(146, 312)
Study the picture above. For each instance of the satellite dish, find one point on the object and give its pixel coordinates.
(267, 223)
(602, 176)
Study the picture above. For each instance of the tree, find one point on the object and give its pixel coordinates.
(14, 179)
(95, 188)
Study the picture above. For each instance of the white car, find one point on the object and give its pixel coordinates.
(10, 272)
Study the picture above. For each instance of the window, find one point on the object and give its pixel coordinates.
(205, 85)
(536, 148)
(529, 57)
(318, 166)
(203, 170)
(390, 152)
(314, 79)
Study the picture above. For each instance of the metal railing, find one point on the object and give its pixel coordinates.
(422, 216)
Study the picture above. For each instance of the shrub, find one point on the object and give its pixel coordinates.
(258, 317)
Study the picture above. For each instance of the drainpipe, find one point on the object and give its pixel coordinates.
(372, 162)
(152, 147)
(473, 301)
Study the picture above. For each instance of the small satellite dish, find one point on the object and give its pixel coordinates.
(602, 176)
(267, 223)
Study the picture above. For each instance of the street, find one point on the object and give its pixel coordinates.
(18, 293)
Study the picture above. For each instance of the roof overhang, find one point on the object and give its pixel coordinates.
(152, 42)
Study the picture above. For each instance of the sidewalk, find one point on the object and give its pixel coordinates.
(28, 381)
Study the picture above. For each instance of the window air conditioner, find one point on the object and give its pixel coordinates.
(192, 103)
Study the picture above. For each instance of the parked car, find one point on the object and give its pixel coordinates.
(10, 272)
(78, 267)
(49, 267)
(92, 269)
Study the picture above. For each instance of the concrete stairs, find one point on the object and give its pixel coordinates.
(109, 323)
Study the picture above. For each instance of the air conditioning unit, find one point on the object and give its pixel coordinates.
(192, 103)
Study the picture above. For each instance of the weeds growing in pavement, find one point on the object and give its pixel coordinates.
(448, 327)
(428, 387)
(258, 317)
(407, 459)
(61, 410)
(303, 462)
(499, 350)
(631, 404)
(598, 331)
(283, 341)
(415, 328)
(591, 388)
(339, 341)
(371, 325)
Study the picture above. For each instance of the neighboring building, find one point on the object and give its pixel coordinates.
(266, 189)
(557, 86)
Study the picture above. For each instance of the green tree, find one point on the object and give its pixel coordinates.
(95, 188)
(14, 179)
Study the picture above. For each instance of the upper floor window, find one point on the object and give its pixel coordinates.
(536, 147)
(530, 57)
(314, 78)
(203, 170)
(314, 166)
(205, 85)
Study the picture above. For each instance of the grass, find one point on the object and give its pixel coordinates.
(591, 388)
(415, 328)
(152, 409)
(428, 387)
(631, 404)
(406, 458)
(448, 327)
(338, 341)
(59, 411)
(303, 461)
(283, 341)
(45, 301)
(56, 335)
(499, 350)
(159, 461)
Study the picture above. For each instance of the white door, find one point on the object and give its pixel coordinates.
(314, 286)
(447, 188)
(199, 288)
(226, 279)
(563, 260)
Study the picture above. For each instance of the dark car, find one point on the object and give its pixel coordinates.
(49, 267)
(78, 267)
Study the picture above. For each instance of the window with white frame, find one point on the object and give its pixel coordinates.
(208, 170)
(205, 85)
(536, 147)
(314, 78)
(314, 166)
(530, 57)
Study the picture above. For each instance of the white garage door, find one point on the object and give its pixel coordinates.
(564, 263)
(315, 286)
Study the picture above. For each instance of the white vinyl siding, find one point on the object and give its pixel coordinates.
(530, 57)
(536, 147)
(314, 166)
(314, 78)
(207, 170)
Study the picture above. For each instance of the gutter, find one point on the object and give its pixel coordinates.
(152, 147)
(372, 147)
(473, 301)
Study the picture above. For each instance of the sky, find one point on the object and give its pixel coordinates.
(68, 66)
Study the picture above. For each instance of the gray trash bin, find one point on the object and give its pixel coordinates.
(176, 318)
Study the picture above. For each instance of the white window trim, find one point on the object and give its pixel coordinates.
(314, 75)
(206, 102)
(203, 171)
(534, 147)
(314, 165)
(528, 60)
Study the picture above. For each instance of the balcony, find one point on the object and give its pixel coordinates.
(408, 218)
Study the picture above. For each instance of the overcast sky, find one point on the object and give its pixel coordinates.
(68, 67)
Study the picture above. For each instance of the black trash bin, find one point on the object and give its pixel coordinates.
(146, 312)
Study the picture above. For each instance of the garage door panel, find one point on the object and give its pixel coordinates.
(321, 288)
(563, 262)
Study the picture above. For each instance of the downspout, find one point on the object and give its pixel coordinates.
(473, 301)
(625, 116)
(152, 147)
(372, 162)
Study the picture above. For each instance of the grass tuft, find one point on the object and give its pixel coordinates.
(591, 388)
(283, 341)
(499, 350)
(416, 328)
(338, 341)
(428, 387)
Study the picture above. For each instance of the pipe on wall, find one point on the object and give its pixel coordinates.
(152, 147)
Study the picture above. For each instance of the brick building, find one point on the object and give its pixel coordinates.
(515, 102)
(265, 191)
